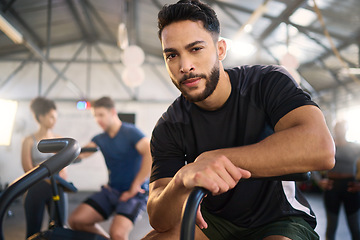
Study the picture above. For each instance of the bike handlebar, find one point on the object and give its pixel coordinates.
(67, 151)
(188, 222)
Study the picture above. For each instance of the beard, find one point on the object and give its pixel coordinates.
(210, 85)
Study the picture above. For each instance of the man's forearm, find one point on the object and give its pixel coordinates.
(165, 206)
(297, 149)
(144, 171)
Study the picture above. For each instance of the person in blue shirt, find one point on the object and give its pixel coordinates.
(126, 151)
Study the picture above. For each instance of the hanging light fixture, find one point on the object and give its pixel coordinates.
(133, 57)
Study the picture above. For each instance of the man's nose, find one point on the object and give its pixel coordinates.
(186, 66)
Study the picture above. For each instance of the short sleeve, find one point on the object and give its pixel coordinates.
(166, 149)
(280, 94)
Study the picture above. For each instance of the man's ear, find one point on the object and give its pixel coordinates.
(113, 111)
(222, 49)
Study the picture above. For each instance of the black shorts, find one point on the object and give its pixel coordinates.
(106, 202)
(295, 228)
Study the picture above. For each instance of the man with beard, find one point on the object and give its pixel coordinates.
(228, 125)
(127, 156)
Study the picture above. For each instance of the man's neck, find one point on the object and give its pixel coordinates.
(114, 128)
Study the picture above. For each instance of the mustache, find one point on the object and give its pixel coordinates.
(191, 75)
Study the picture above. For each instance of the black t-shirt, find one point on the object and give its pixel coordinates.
(260, 96)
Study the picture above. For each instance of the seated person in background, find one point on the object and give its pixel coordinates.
(340, 185)
(127, 156)
(230, 124)
(40, 195)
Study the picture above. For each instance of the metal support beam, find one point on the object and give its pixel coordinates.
(16, 70)
(157, 4)
(34, 49)
(88, 71)
(5, 8)
(342, 46)
(90, 23)
(303, 31)
(30, 32)
(40, 78)
(48, 29)
(78, 21)
(60, 74)
(102, 23)
(284, 16)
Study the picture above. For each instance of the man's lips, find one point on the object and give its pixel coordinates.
(191, 81)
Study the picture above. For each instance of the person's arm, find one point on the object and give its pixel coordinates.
(87, 154)
(26, 160)
(143, 147)
(167, 195)
(301, 143)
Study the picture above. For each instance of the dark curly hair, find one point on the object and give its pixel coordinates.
(41, 106)
(192, 10)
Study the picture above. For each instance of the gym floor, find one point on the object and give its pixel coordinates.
(14, 223)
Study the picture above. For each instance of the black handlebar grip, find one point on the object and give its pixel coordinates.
(89, 149)
(192, 203)
(68, 150)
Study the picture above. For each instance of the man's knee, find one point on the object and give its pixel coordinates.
(74, 221)
(121, 227)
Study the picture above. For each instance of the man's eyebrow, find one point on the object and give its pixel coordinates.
(166, 50)
(190, 45)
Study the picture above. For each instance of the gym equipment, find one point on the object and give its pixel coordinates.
(67, 150)
(188, 222)
(89, 149)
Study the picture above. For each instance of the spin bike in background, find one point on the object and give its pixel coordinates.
(67, 151)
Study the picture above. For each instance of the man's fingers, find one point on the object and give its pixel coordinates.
(200, 220)
(244, 173)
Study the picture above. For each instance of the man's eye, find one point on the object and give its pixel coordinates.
(196, 49)
(170, 56)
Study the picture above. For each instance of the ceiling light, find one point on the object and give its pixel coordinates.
(122, 41)
(303, 17)
(10, 31)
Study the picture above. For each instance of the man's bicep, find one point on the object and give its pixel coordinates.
(305, 115)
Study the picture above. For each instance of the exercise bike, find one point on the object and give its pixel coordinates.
(187, 231)
(67, 150)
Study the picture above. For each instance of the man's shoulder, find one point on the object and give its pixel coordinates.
(99, 136)
(177, 111)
